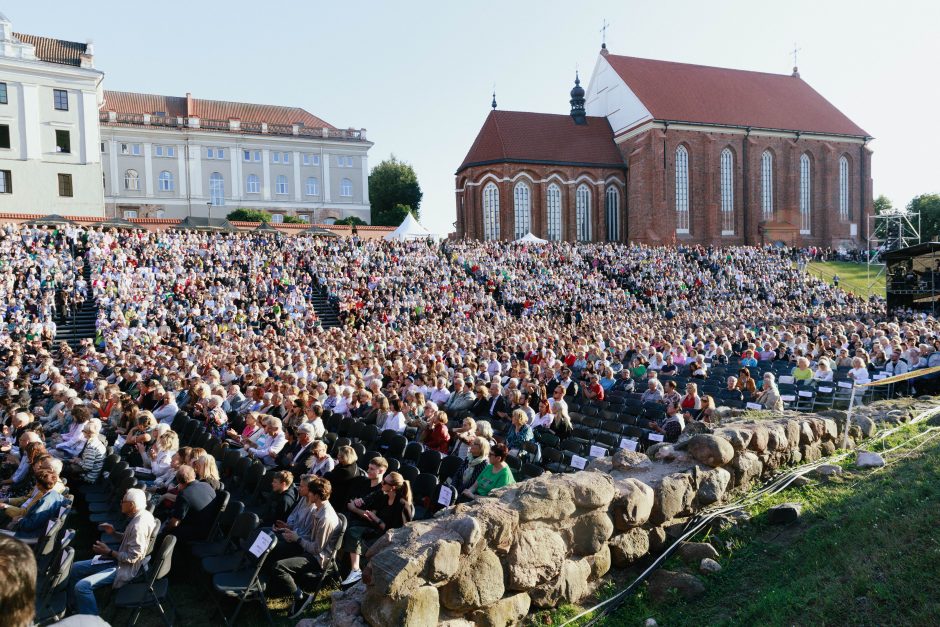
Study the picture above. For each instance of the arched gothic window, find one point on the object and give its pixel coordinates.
(682, 190)
(727, 192)
(491, 212)
(583, 208)
(843, 188)
(522, 209)
(612, 206)
(553, 212)
(767, 185)
(806, 195)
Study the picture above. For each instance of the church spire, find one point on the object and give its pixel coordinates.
(493, 104)
(577, 101)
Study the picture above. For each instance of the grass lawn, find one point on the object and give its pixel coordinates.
(864, 553)
(853, 277)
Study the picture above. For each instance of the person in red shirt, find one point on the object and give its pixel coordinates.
(594, 391)
(437, 437)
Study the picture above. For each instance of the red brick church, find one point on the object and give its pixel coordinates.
(658, 152)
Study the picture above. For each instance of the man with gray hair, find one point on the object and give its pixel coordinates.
(111, 566)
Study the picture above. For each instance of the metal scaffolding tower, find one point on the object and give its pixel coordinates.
(889, 230)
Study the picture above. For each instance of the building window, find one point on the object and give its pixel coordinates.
(60, 99)
(210, 153)
(158, 151)
(553, 212)
(843, 189)
(125, 150)
(63, 142)
(340, 161)
(65, 185)
(727, 191)
(171, 151)
(4, 135)
(3, 93)
(277, 218)
(258, 156)
(252, 185)
(311, 159)
(523, 209)
(130, 213)
(158, 213)
(304, 216)
(280, 186)
(102, 148)
(490, 212)
(682, 190)
(583, 213)
(313, 186)
(6, 182)
(135, 149)
(132, 181)
(767, 185)
(216, 189)
(276, 157)
(612, 207)
(246, 155)
(164, 151)
(349, 162)
(286, 157)
(806, 195)
(345, 188)
(166, 181)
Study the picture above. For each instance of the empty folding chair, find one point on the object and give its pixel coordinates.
(245, 584)
(52, 591)
(409, 472)
(449, 465)
(233, 526)
(429, 462)
(154, 591)
(412, 453)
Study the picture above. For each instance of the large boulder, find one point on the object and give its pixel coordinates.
(421, 608)
(662, 582)
(444, 562)
(793, 433)
(543, 498)
(507, 611)
(398, 573)
(498, 523)
(657, 539)
(600, 563)
(738, 438)
(784, 513)
(865, 425)
(711, 450)
(629, 547)
(478, 584)
(632, 508)
(759, 437)
(777, 437)
(713, 484)
(674, 496)
(694, 552)
(626, 461)
(570, 587)
(807, 433)
(747, 468)
(535, 557)
(591, 490)
(590, 532)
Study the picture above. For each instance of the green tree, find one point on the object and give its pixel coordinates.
(882, 204)
(393, 184)
(249, 215)
(293, 220)
(928, 206)
(351, 220)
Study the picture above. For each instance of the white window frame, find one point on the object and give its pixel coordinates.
(275, 156)
(726, 189)
(844, 188)
(490, 212)
(612, 209)
(246, 155)
(305, 217)
(583, 213)
(312, 186)
(132, 180)
(553, 212)
(522, 209)
(285, 158)
(136, 150)
(125, 149)
(806, 195)
(257, 156)
(210, 153)
(682, 190)
(165, 181)
(281, 186)
(346, 188)
(171, 151)
(277, 218)
(767, 185)
(157, 150)
(127, 214)
(217, 189)
(252, 184)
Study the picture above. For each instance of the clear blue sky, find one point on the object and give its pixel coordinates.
(418, 75)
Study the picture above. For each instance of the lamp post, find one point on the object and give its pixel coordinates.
(209, 205)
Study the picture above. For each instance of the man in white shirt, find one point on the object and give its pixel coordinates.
(275, 442)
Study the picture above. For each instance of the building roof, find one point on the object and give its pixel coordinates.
(176, 106)
(55, 50)
(713, 95)
(548, 138)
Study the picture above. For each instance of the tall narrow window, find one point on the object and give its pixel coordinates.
(682, 190)
(280, 186)
(727, 192)
(3, 93)
(345, 188)
(767, 185)
(166, 181)
(216, 189)
(843, 189)
(252, 186)
(806, 196)
(5, 136)
(65, 185)
(313, 186)
(490, 212)
(522, 208)
(613, 214)
(63, 142)
(583, 209)
(6, 182)
(132, 181)
(553, 212)
(60, 99)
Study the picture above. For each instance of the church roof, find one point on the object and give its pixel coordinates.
(176, 106)
(697, 93)
(544, 138)
(55, 50)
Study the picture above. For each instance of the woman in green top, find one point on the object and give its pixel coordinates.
(802, 372)
(496, 474)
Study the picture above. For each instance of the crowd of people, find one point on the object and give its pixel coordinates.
(468, 348)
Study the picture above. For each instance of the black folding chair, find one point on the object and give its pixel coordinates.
(245, 584)
(52, 592)
(155, 590)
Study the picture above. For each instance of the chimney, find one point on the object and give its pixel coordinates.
(87, 58)
(189, 105)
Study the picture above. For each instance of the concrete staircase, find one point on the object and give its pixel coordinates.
(81, 324)
(326, 312)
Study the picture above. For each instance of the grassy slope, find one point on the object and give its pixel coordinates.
(865, 553)
(853, 277)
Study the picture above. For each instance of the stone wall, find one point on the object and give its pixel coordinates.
(550, 540)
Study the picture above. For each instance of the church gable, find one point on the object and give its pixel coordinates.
(609, 96)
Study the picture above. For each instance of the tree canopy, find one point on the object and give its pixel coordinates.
(882, 204)
(249, 215)
(928, 205)
(352, 221)
(393, 192)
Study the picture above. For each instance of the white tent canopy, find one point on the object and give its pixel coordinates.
(410, 229)
(531, 239)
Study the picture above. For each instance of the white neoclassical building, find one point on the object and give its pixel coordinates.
(50, 94)
(172, 157)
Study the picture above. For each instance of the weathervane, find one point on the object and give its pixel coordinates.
(604, 26)
(795, 50)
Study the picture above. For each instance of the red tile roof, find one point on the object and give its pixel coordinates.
(175, 106)
(524, 137)
(54, 50)
(698, 93)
